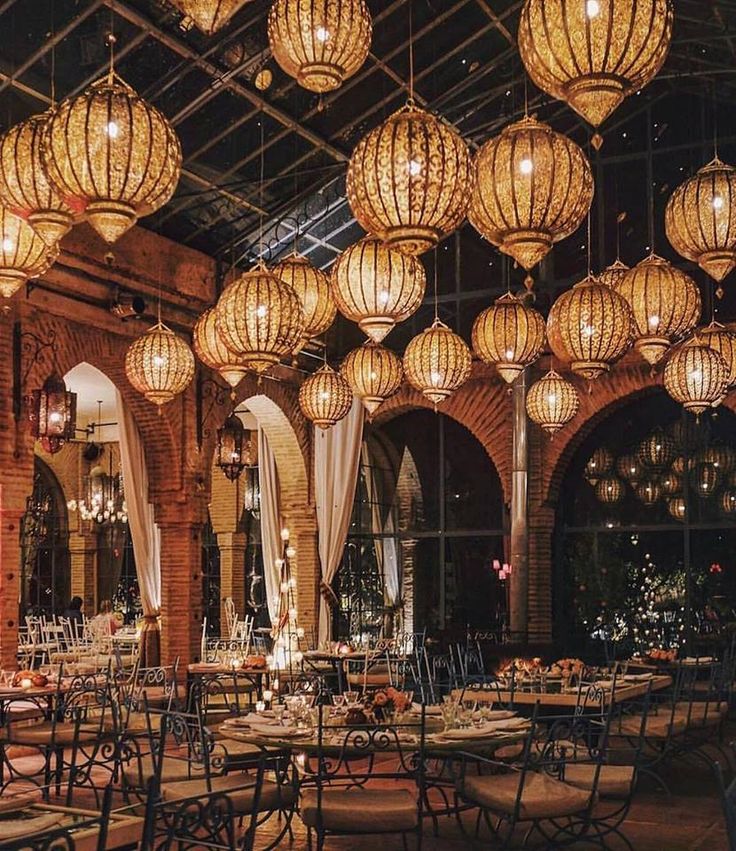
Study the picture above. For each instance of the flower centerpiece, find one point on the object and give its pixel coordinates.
(386, 703)
(568, 668)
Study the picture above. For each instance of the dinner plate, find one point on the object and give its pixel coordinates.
(274, 732)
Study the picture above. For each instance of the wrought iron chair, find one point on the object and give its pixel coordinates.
(728, 802)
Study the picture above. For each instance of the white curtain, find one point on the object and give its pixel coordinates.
(385, 548)
(270, 523)
(336, 461)
(144, 532)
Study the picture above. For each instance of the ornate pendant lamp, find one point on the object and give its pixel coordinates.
(377, 286)
(23, 254)
(320, 43)
(510, 335)
(723, 341)
(721, 456)
(671, 484)
(312, 287)
(594, 53)
(53, 414)
(209, 15)
(612, 275)
(24, 186)
(533, 187)
(696, 376)
(437, 362)
(676, 507)
(374, 373)
(210, 348)
(728, 501)
(705, 480)
(409, 180)
(552, 402)
(599, 465)
(648, 491)
(159, 364)
(609, 490)
(594, 326)
(232, 447)
(325, 397)
(657, 451)
(260, 318)
(629, 468)
(665, 302)
(700, 219)
(130, 153)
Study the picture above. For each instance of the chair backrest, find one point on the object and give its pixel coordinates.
(231, 617)
(183, 738)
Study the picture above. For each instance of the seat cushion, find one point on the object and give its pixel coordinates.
(140, 769)
(239, 750)
(509, 752)
(657, 726)
(701, 714)
(542, 796)
(614, 781)
(378, 678)
(361, 810)
(156, 695)
(273, 795)
(45, 734)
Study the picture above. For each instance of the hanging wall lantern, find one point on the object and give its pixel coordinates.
(53, 414)
(231, 442)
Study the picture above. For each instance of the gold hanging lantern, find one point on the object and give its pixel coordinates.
(665, 302)
(209, 15)
(612, 275)
(53, 414)
(409, 180)
(599, 464)
(377, 286)
(648, 491)
(676, 507)
(509, 334)
(533, 187)
(260, 318)
(696, 376)
(24, 186)
(728, 501)
(312, 287)
(159, 364)
(594, 53)
(705, 480)
(723, 341)
(325, 397)
(594, 325)
(231, 448)
(671, 484)
(320, 43)
(437, 362)
(700, 219)
(552, 402)
(111, 154)
(210, 348)
(629, 468)
(23, 254)
(657, 451)
(609, 490)
(678, 465)
(722, 457)
(374, 373)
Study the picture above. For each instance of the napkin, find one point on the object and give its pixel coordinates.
(276, 732)
(638, 678)
(13, 803)
(488, 729)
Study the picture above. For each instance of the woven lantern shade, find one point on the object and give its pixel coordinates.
(209, 15)
(648, 491)
(131, 156)
(657, 451)
(312, 287)
(696, 376)
(325, 397)
(722, 340)
(705, 479)
(24, 186)
(722, 457)
(629, 468)
(159, 364)
(687, 432)
(437, 362)
(678, 465)
(533, 187)
(552, 402)
(377, 286)
(700, 219)
(599, 465)
(409, 180)
(374, 373)
(609, 490)
(210, 348)
(671, 484)
(728, 501)
(594, 54)
(510, 335)
(594, 324)
(612, 275)
(676, 507)
(320, 43)
(260, 318)
(23, 254)
(665, 302)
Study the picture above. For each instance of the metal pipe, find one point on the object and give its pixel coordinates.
(519, 597)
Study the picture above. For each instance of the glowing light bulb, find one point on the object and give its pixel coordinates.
(322, 34)
(654, 321)
(158, 360)
(526, 166)
(415, 168)
(718, 203)
(324, 395)
(587, 330)
(509, 354)
(284, 534)
(373, 376)
(435, 378)
(261, 311)
(112, 130)
(593, 8)
(55, 417)
(8, 244)
(552, 398)
(383, 297)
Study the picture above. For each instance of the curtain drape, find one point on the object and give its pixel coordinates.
(336, 461)
(270, 523)
(384, 548)
(144, 532)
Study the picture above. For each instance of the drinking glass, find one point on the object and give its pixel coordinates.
(338, 700)
(449, 715)
(351, 698)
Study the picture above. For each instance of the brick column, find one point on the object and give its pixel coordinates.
(301, 521)
(541, 528)
(83, 559)
(232, 546)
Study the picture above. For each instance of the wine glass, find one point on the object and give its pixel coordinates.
(351, 698)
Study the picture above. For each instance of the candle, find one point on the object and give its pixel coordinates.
(260, 706)
(26, 682)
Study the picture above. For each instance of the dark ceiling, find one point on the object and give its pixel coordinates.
(467, 68)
